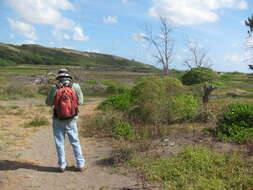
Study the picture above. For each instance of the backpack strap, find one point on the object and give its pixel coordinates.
(60, 85)
(71, 84)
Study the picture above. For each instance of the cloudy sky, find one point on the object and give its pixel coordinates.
(115, 27)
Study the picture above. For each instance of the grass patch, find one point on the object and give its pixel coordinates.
(17, 91)
(196, 168)
(37, 122)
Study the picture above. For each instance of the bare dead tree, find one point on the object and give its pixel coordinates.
(162, 43)
(197, 55)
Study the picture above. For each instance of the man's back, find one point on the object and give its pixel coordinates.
(76, 88)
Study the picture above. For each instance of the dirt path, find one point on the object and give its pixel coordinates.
(37, 166)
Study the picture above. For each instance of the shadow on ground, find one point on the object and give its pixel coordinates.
(106, 162)
(6, 165)
(14, 165)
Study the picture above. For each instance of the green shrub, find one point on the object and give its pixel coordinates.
(183, 107)
(4, 63)
(122, 129)
(236, 123)
(119, 102)
(150, 98)
(196, 168)
(113, 88)
(199, 75)
(102, 123)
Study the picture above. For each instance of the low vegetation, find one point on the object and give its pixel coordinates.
(157, 105)
(153, 121)
(196, 168)
(236, 123)
(154, 100)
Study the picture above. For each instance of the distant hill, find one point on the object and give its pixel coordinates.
(38, 55)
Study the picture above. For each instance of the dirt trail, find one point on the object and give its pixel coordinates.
(37, 166)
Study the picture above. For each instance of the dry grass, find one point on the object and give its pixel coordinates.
(14, 114)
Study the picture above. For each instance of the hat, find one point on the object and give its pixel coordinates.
(63, 71)
(63, 75)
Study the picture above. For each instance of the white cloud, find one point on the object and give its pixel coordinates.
(65, 24)
(61, 36)
(48, 12)
(79, 35)
(23, 28)
(138, 36)
(110, 19)
(234, 58)
(41, 11)
(190, 12)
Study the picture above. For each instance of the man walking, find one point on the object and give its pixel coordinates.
(64, 97)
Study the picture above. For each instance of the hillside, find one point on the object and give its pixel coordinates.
(38, 55)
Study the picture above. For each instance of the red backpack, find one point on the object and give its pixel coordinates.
(65, 103)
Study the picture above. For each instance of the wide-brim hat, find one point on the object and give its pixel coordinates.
(63, 75)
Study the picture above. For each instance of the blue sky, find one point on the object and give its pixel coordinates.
(115, 26)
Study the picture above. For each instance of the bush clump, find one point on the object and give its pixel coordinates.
(113, 88)
(150, 98)
(236, 123)
(119, 102)
(122, 129)
(183, 107)
(196, 168)
(111, 124)
(199, 75)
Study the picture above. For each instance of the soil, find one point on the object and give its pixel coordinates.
(35, 166)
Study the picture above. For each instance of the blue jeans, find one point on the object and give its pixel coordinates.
(60, 128)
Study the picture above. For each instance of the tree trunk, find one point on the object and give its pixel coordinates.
(208, 89)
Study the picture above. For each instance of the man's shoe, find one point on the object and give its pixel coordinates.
(81, 169)
(62, 170)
